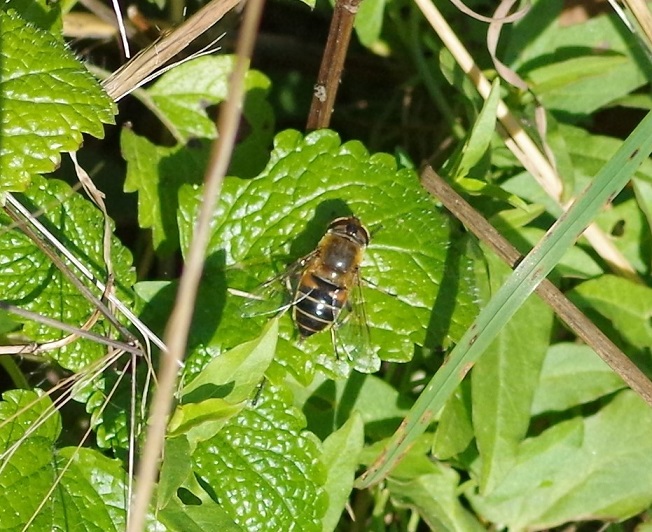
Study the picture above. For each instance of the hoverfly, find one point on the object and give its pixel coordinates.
(323, 289)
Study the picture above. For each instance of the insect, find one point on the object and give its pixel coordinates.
(323, 289)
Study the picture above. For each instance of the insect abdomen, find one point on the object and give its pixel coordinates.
(318, 303)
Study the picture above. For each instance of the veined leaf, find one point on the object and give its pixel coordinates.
(48, 100)
(263, 224)
(263, 469)
(28, 278)
(567, 473)
(31, 281)
(572, 375)
(92, 493)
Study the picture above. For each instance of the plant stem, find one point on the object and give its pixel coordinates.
(330, 71)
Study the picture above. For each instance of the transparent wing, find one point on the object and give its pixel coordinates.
(351, 332)
(275, 294)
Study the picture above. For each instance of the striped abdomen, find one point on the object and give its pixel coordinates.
(318, 303)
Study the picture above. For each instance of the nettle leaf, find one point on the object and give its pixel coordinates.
(48, 100)
(185, 93)
(597, 468)
(28, 278)
(185, 97)
(91, 494)
(264, 469)
(266, 223)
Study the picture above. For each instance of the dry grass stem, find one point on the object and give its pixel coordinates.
(179, 323)
(131, 75)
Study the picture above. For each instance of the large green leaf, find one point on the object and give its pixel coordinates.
(48, 101)
(594, 468)
(92, 493)
(263, 469)
(263, 224)
(28, 278)
(512, 294)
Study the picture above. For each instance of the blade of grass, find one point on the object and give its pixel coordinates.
(526, 277)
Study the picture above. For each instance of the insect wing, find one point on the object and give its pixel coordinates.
(275, 294)
(351, 333)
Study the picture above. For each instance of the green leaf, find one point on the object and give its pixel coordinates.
(572, 375)
(185, 93)
(504, 381)
(328, 404)
(30, 280)
(479, 138)
(156, 173)
(582, 66)
(435, 497)
(575, 263)
(341, 451)
(431, 489)
(643, 190)
(263, 469)
(262, 226)
(92, 492)
(598, 468)
(626, 304)
(43, 14)
(208, 515)
(369, 21)
(582, 85)
(222, 388)
(183, 98)
(455, 428)
(234, 375)
(176, 467)
(48, 101)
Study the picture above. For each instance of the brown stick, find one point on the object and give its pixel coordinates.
(129, 76)
(332, 64)
(563, 307)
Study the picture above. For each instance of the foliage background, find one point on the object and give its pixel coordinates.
(542, 433)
